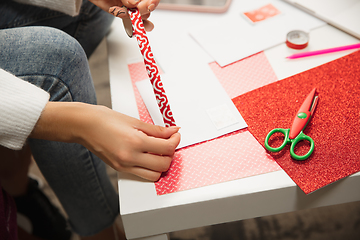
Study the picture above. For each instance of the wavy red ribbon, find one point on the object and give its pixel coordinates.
(151, 67)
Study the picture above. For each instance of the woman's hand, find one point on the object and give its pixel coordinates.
(124, 143)
(118, 8)
(130, 145)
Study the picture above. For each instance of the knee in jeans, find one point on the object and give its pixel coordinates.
(48, 58)
(62, 57)
(61, 48)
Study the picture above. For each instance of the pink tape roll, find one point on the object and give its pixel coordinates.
(151, 67)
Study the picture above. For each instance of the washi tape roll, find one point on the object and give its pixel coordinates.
(151, 67)
(297, 39)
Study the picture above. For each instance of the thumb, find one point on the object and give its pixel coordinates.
(175, 139)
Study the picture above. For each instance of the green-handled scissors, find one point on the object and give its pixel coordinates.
(295, 134)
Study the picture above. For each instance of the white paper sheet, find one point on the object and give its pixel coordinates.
(234, 37)
(199, 104)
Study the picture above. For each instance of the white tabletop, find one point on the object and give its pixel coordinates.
(144, 213)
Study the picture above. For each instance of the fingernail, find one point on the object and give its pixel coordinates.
(151, 7)
(175, 127)
(117, 11)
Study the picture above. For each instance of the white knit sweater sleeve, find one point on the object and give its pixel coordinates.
(21, 105)
(70, 7)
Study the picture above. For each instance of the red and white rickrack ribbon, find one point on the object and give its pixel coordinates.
(151, 67)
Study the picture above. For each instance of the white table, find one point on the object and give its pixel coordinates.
(148, 216)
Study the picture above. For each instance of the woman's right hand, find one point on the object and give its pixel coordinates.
(130, 145)
(124, 143)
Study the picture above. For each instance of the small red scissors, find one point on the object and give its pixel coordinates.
(295, 134)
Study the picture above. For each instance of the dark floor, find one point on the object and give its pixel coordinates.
(327, 223)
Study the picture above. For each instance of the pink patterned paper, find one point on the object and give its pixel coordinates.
(244, 75)
(233, 156)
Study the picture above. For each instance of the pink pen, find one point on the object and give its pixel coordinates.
(324, 51)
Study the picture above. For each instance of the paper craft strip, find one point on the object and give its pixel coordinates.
(334, 127)
(151, 67)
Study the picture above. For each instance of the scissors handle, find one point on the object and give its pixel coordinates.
(300, 137)
(286, 139)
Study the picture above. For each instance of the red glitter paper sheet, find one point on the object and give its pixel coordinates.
(334, 126)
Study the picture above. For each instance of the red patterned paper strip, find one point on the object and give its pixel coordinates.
(151, 67)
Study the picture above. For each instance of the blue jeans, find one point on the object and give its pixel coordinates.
(50, 49)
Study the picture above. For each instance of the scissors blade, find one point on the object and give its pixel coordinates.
(304, 114)
(314, 104)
